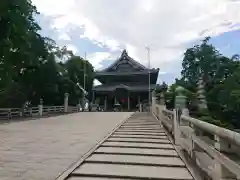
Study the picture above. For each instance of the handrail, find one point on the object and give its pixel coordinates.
(218, 156)
(8, 113)
(168, 111)
(7, 109)
(205, 152)
(232, 136)
(53, 106)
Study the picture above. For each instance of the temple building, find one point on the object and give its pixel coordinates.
(125, 82)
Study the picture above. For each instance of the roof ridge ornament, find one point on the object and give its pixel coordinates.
(124, 52)
(123, 58)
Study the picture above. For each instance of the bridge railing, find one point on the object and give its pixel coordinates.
(52, 110)
(213, 149)
(8, 113)
(73, 109)
(167, 118)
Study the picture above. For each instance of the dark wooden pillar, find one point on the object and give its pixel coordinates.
(93, 97)
(105, 102)
(128, 101)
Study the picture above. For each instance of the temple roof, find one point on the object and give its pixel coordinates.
(124, 64)
(126, 69)
(124, 86)
(123, 73)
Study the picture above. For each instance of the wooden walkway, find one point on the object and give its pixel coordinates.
(137, 149)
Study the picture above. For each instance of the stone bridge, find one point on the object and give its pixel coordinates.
(117, 145)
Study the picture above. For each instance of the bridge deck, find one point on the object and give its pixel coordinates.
(138, 149)
(42, 149)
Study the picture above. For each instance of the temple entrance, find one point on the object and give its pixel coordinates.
(125, 82)
(122, 97)
(124, 103)
(129, 100)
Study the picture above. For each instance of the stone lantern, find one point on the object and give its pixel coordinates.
(66, 102)
(181, 100)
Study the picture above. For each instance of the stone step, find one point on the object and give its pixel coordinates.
(154, 130)
(132, 159)
(144, 132)
(142, 126)
(141, 122)
(141, 129)
(158, 134)
(139, 136)
(137, 151)
(133, 171)
(138, 140)
(138, 145)
(95, 178)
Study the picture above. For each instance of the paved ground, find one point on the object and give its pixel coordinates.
(42, 149)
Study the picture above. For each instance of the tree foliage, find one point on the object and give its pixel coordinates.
(221, 80)
(33, 66)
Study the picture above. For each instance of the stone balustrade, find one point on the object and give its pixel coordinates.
(8, 113)
(214, 150)
(41, 110)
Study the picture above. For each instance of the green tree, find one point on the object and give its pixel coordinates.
(76, 67)
(220, 75)
(29, 68)
(21, 47)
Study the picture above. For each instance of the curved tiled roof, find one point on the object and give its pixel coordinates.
(127, 57)
(126, 73)
(113, 87)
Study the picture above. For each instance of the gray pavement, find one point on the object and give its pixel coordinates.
(42, 149)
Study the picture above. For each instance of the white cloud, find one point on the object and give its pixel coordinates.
(165, 26)
(96, 58)
(72, 48)
(54, 7)
(96, 82)
(64, 36)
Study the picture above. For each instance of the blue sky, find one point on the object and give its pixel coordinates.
(103, 29)
(228, 43)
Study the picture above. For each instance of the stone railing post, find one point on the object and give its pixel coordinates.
(40, 107)
(22, 110)
(140, 107)
(83, 101)
(153, 108)
(181, 101)
(21, 113)
(162, 106)
(105, 103)
(161, 100)
(66, 102)
(79, 105)
(93, 97)
(219, 171)
(180, 108)
(30, 112)
(176, 131)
